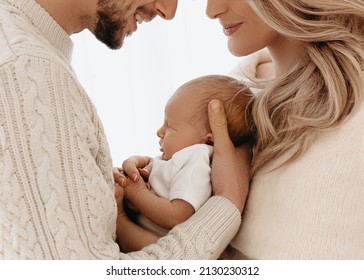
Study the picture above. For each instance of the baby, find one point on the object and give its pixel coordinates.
(179, 182)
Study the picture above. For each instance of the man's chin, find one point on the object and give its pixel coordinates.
(116, 46)
(111, 43)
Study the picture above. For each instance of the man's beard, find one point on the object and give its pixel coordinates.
(109, 27)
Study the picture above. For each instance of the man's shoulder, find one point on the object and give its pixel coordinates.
(7, 26)
(18, 38)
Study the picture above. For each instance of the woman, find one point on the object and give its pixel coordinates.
(306, 197)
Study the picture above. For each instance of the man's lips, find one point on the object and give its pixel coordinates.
(139, 18)
(144, 16)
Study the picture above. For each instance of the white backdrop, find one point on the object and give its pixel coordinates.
(130, 86)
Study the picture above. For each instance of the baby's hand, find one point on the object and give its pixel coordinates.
(133, 189)
(137, 166)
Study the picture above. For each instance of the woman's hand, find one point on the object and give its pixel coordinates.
(230, 165)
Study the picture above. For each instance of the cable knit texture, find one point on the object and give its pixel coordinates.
(56, 193)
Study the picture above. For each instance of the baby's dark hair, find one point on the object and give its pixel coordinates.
(235, 96)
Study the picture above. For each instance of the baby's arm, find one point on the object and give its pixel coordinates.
(160, 211)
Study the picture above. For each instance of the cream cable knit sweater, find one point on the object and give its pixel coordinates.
(312, 208)
(56, 192)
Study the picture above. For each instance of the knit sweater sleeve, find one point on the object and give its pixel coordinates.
(56, 194)
(204, 236)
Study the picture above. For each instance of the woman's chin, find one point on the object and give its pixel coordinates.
(238, 50)
(235, 52)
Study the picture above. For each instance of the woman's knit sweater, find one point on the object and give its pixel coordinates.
(313, 207)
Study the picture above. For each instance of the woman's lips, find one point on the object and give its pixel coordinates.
(231, 28)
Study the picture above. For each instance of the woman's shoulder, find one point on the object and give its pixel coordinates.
(255, 65)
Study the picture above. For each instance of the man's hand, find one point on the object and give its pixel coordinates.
(119, 196)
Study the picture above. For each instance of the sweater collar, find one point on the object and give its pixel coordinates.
(46, 25)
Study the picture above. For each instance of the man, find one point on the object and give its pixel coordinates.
(57, 188)
(109, 20)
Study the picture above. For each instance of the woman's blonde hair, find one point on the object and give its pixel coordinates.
(322, 89)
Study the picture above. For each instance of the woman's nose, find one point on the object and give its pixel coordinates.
(214, 8)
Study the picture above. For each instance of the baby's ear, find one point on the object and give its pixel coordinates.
(208, 139)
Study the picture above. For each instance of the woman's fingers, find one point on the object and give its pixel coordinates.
(230, 165)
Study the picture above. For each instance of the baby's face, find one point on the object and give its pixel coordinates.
(178, 130)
